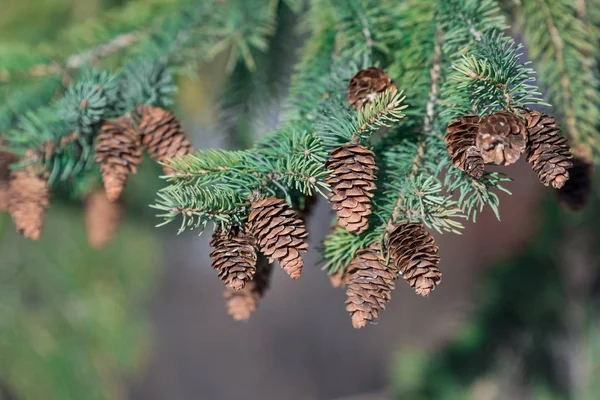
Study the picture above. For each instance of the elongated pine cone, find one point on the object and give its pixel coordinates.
(234, 257)
(460, 143)
(242, 303)
(547, 152)
(118, 151)
(162, 135)
(576, 192)
(29, 198)
(102, 219)
(352, 182)
(6, 159)
(366, 85)
(280, 233)
(369, 286)
(501, 138)
(412, 249)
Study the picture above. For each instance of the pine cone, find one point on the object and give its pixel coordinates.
(576, 192)
(162, 135)
(234, 257)
(412, 249)
(6, 159)
(102, 219)
(242, 303)
(369, 286)
(338, 279)
(460, 143)
(118, 151)
(547, 152)
(280, 233)
(29, 198)
(366, 85)
(501, 138)
(352, 180)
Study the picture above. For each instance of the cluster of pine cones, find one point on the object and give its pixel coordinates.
(24, 192)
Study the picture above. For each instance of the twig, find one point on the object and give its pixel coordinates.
(78, 60)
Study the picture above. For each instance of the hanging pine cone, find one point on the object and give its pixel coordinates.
(280, 233)
(352, 178)
(338, 279)
(369, 286)
(6, 159)
(234, 257)
(366, 85)
(242, 303)
(118, 151)
(162, 135)
(576, 192)
(412, 249)
(102, 219)
(501, 138)
(460, 143)
(29, 198)
(547, 152)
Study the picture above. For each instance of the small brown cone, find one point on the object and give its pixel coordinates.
(102, 219)
(242, 303)
(501, 138)
(118, 151)
(460, 143)
(547, 152)
(412, 249)
(366, 85)
(162, 135)
(338, 279)
(280, 233)
(352, 182)
(29, 198)
(6, 159)
(576, 192)
(369, 286)
(234, 257)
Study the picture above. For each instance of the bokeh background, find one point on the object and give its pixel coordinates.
(144, 318)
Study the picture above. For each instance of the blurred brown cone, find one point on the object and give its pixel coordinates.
(102, 219)
(338, 279)
(242, 303)
(162, 135)
(29, 198)
(547, 152)
(6, 159)
(501, 138)
(280, 233)
(234, 257)
(412, 249)
(369, 286)
(460, 143)
(366, 85)
(352, 182)
(576, 192)
(118, 151)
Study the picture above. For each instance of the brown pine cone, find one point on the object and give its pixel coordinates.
(547, 152)
(366, 85)
(369, 286)
(102, 219)
(412, 249)
(352, 178)
(460, 143)
(501, 138)
(576, 192)
(6, 159)
(338, 279)
(118, 151)
(162, 135)
(29, 198)
(280, 233)
(242, 303)
(234, 257)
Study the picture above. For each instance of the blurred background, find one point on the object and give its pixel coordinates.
(144, 318)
